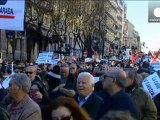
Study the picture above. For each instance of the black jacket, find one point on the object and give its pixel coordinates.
(118, 102)
(92, 105)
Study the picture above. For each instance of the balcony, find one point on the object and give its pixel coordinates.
(113, 4)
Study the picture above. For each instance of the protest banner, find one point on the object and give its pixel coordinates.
(88, 60)
(48, 58)
(152, 84)
(12, 14)
(45, 58)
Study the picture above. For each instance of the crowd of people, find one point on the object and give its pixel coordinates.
(68, 91)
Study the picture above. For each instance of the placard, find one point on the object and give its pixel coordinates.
(45, 58)
(152, 84)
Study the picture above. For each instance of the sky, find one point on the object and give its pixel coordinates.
(137, 14)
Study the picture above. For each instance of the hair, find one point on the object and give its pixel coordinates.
(77, 112)
(56, 69)
(21, 79)
(91, 78)
(73, 63)
(131, 73)
(144, 75)
(119, 74)
(139, 79)
(32, 67)
(117, 115)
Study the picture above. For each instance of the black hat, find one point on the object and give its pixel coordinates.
(56, 69)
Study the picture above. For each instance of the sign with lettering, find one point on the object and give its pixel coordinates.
(45, 58)
(155, 65)
(152, 84)
(11, 16)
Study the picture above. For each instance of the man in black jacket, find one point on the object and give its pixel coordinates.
(85, 96)
(115, 99)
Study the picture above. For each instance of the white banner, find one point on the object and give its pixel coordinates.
(45, 58)
(152, 84)
(6, 81)
(12, 14)
(126, 55)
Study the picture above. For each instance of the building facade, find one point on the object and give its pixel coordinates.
(54, 25)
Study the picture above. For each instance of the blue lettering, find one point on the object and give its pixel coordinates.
(149, 88)
(8, 11)
(156, 82)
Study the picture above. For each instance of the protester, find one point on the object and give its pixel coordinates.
(73, 69)
(23, 107)
(53, 78)
(85, 94)
(64, 108)
(113, 82)
(67, 86)
(31, 71)
(144, 68)
(144, 102)
(38, 91)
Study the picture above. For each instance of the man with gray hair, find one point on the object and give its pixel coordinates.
(115, 99)
(85, 96)
(23, 107)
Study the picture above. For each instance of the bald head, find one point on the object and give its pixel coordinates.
(119, 74)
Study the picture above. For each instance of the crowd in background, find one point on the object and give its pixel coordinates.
(68, 91)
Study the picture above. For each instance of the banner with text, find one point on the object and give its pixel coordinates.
(45, 58)
(12, 14)
(152, 84)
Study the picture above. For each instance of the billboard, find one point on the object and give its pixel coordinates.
(11, 16)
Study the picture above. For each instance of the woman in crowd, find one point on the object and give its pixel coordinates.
(73, 69)
(64, 108)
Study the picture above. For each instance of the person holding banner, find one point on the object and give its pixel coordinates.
(143, 101)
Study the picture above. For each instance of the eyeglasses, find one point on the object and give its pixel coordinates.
(72, 68)
(106, 76)
(29, 72)
(63, 118)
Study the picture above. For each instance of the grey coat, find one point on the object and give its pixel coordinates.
(27, 109)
